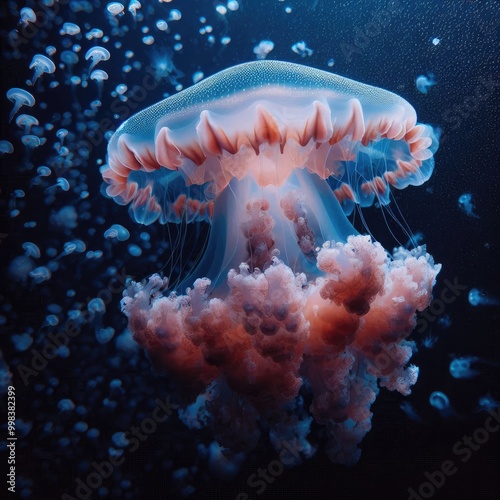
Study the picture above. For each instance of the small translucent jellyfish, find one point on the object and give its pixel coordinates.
(77, 246)
(478, 298)
(61, 183)
(264, 47)
(444, 321)
(50, 50)
(61, 134)
(487, 402)
(407, 407)
(302, 49)
(225, 40)
(42, 171)
(461, 367)
(66, 217)
(414, 240)
(424, 83)
(20, 98)
(96, 308)
(26, 122)
(94, 33)
(133, 7)
(40, 274)
(162, 25)
(20, 268)
(41, 64)
(174, 15)
(70, 29)
(69, 58)
(233, 5)
(440, 401)
(148, 40)
(104, 335)
(6, 147)
(66, 405)
(31, 141)
(198, 76)
(22, 341)
(134, 250)
(331, 63)
(27, 16)
(115, 8)
(31, 250)
(99, 76)
(465, 204)
(435, 41)
(221, 9)
(97, 54)
(429, 341)
(117, 231)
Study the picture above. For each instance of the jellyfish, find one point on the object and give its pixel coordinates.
(31, 250)
(99, 76)
(20, 98)
(487, 403)
(263, 49)
(410, 411)
(133, 7)
(27, 16)
(42, 171)
(462, 367)
(70, 29)
(97, 54)
(478, 298)
(287, 300)
(69, 58)
(302, 49)
(26, 122)
(117, 231)
(40, 274)
(61, 183)
(424, 83)
(465, 203)
(6, 147)
(430, 341)
(42, 64)
(439, 400)
(115, 8)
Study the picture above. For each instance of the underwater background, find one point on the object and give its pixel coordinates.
(75, 404)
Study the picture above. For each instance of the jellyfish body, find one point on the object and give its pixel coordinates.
(41, 64)
(439, 400)
(99, 76)
(465, 366)
(263, 48)
(20, 98)
(97, 54)
(462, 367)
(274, 155)
(424, 83)
(465, 203)
(478, 298)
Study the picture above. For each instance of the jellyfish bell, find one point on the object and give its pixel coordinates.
(42, 64)
(6, 147)
(97, 54)
(99, 76)
(19, 97)
(425, 82)
(274, 155)
(26, 122)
